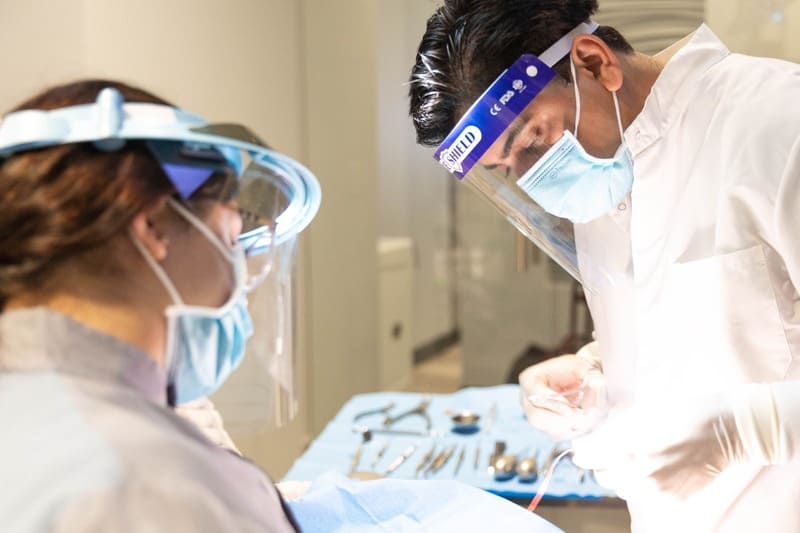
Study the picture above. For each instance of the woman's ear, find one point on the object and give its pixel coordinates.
(147, 227)
(593, 57)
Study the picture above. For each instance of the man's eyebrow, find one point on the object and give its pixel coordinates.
(513, 132)
(512, 136)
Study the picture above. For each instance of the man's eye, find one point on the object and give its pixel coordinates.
(533, 150)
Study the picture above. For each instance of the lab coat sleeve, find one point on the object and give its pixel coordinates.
(767, 415)
(175, 506)
(786, 223)
(772, 412)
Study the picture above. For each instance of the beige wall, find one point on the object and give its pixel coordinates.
(757, 27)
(43, 45)
(341, 139)
(218, 58)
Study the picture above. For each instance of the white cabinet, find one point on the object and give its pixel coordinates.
(395, 300)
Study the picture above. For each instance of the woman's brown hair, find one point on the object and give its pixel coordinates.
(65, 202)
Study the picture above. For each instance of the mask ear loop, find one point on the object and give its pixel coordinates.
(158, 271)
(169, 360)
(577, 95)
(238, 264)
(619, 117)
(202, 228)
(578, 104)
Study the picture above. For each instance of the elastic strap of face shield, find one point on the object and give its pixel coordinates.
(563, 46)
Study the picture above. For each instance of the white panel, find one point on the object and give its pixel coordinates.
(769, 28)
(413, 195)
(430, 210)
(652, 25)
(395, 296)
(395, 134)
(237, 61)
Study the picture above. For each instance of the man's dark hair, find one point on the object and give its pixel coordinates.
(468, 43)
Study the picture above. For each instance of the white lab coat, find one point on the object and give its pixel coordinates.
(705, 264)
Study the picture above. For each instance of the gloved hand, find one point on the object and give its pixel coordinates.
(206, 418)
(679, 445)
(564, 396)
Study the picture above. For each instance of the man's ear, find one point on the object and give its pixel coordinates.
(594, 58)
(147, 227)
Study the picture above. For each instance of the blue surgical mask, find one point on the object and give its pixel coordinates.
(204, 344)
(570, 183)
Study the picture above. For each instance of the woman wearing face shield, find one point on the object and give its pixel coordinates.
(123, 280)
(669, 187)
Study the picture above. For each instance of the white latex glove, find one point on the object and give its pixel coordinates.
(680, 445)
(293, 490)
(564, 396)
(206, 418)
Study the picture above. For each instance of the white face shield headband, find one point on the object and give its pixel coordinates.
(275, 194)
(277, 198)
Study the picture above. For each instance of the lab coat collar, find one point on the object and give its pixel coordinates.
(42, 340)
(674, 89)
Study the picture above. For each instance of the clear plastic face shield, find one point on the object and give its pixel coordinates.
(268, 190)
(493, 132)
(275, 196)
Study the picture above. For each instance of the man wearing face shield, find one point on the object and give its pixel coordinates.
(669, 187)
(127, 249)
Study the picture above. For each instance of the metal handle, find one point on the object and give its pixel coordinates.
(356, 458)
(522, 253)
(400, 460)
(527, 253)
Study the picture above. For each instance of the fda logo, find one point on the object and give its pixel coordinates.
(453, 157)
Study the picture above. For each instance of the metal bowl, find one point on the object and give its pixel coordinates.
(526, 470)
(465, 422)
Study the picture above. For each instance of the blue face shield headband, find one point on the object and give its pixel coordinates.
(493, 149)
(277, 196)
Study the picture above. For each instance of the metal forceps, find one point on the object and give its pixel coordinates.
(420, 410)
(380, 411)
